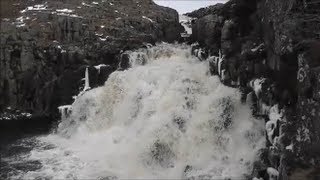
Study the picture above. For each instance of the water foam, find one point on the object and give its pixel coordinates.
(165, 119)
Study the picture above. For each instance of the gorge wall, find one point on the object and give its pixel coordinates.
(273, 47)
(47, 45)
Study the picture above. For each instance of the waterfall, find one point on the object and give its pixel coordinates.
(165, 117)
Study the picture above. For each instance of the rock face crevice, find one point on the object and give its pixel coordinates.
(47, 45)
(272, 48)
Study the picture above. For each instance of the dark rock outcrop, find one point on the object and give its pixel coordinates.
(273, 45)
(47, 45)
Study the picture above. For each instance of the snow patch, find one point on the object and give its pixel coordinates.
(144, 17)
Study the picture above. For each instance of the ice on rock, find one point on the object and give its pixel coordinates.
(256, 85)
(98, 67)
(65, 111)
(220, 63)
(275, 115)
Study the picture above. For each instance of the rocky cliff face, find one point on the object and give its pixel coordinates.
(47, 45)
(272, 47)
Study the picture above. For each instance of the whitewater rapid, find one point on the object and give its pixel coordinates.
(165, 117)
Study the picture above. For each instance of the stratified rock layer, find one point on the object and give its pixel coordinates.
(273, 46)
(46, 46)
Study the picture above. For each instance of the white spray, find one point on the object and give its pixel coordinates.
(165, 119)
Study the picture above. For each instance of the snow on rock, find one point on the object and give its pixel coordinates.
(64, 10)
(273, 173)
(95, 3)
(144, 17)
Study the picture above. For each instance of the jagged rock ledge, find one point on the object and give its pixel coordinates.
(271, 52)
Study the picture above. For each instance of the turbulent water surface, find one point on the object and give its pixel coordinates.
(165, 117)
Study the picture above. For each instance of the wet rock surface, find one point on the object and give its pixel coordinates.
(47, 45)
(271, 51)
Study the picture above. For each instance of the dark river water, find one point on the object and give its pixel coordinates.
(17, 139)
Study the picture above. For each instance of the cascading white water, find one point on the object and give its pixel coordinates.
(165, 119)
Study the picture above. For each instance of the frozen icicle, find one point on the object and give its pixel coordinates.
(65, 111)
(275, 115)
(86, 81)
(220, 63)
